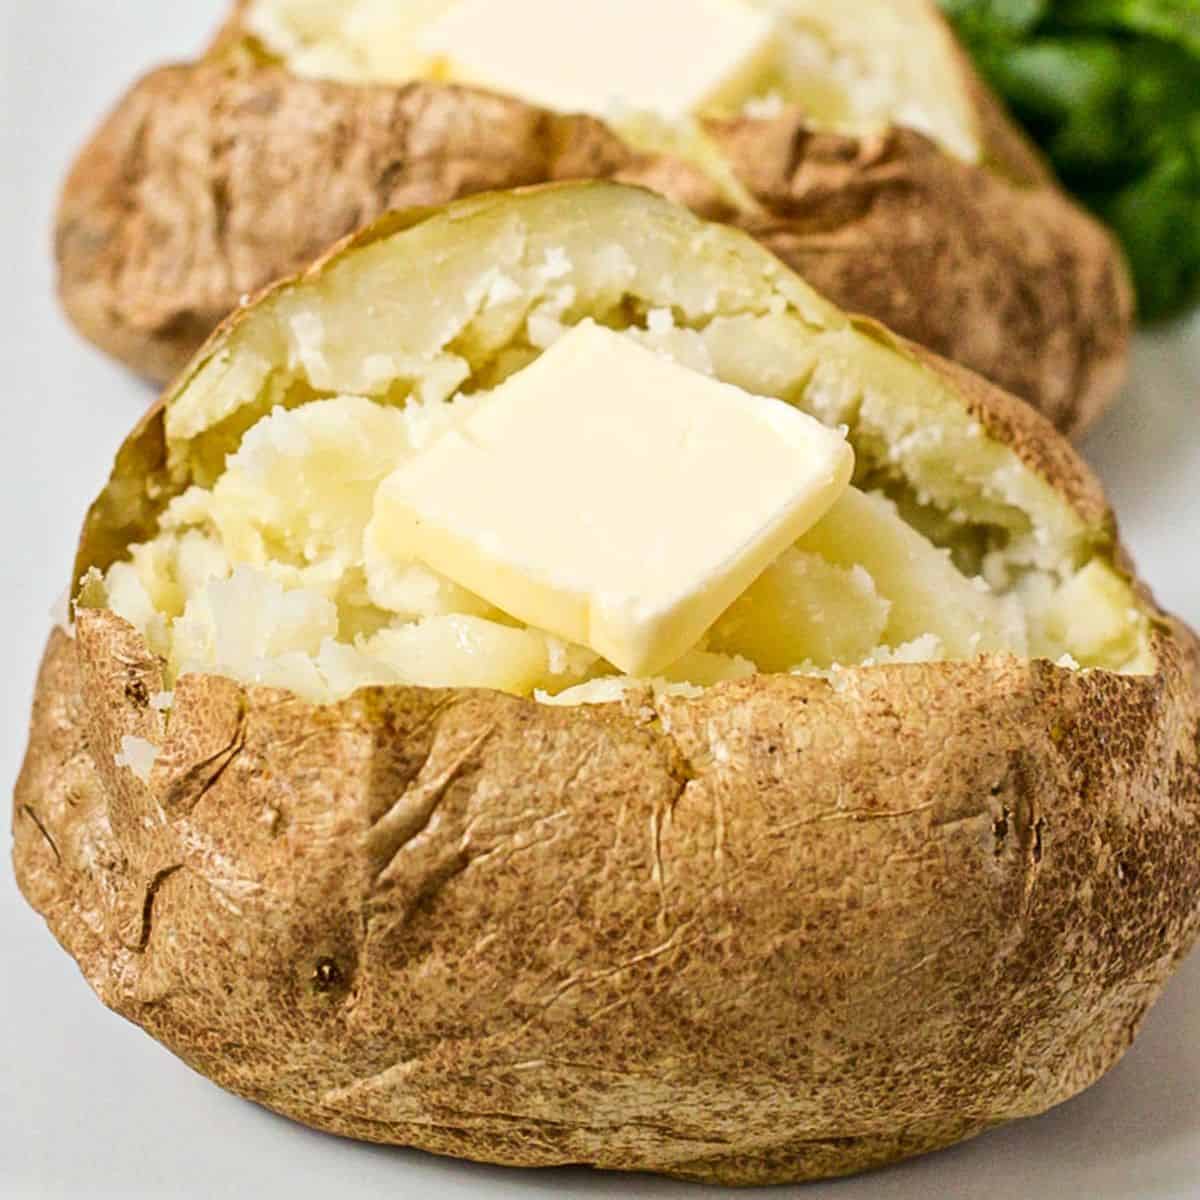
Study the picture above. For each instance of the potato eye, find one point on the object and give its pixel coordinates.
(327, 975)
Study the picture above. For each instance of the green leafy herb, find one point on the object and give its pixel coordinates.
(1111, 91)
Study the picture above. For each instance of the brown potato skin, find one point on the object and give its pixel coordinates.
(210, 180)
(789, 929)
(647, 937)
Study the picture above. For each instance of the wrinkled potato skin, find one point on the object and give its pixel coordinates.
(785, 930)
(208, 181)
(534, 936)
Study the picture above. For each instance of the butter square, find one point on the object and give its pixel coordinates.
(614, 498)
(673, 58)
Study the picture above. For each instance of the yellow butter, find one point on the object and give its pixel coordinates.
(669, 57)
(613, 498)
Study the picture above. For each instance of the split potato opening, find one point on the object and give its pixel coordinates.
(268, 563)
(853, 68)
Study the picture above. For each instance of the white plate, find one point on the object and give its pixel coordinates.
(89, 1106)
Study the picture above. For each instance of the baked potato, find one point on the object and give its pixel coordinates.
(867, 155)
(904, 850)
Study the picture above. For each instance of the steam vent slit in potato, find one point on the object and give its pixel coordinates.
(834, 799)
(854, 140)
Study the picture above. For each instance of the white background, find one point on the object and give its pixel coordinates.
(89, 1106)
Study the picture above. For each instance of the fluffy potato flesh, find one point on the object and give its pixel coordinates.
(853, 68)
(264, 565)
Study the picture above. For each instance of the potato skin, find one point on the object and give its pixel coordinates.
(210, 180)
(789, 929)
(650, 937)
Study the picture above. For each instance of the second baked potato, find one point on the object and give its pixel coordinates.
(866, 154)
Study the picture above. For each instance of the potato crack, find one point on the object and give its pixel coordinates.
(29, 811)
(183, 796)
(413, 810)
(860, 815)
(152, 890)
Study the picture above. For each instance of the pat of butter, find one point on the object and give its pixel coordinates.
(614, 498)
(669, 57)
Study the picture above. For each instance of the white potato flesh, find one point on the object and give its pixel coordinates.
(1091, 613)
(858, 67)
(804, 609)
(927, 593)
(273, 577)
(706, 669)
(303, 483)
(289, 494)
(413, 590)
(465, 652)
(130, 600)
(250, 616)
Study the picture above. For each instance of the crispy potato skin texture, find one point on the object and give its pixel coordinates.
(786, 930)
(209, 181)
(650, 937)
